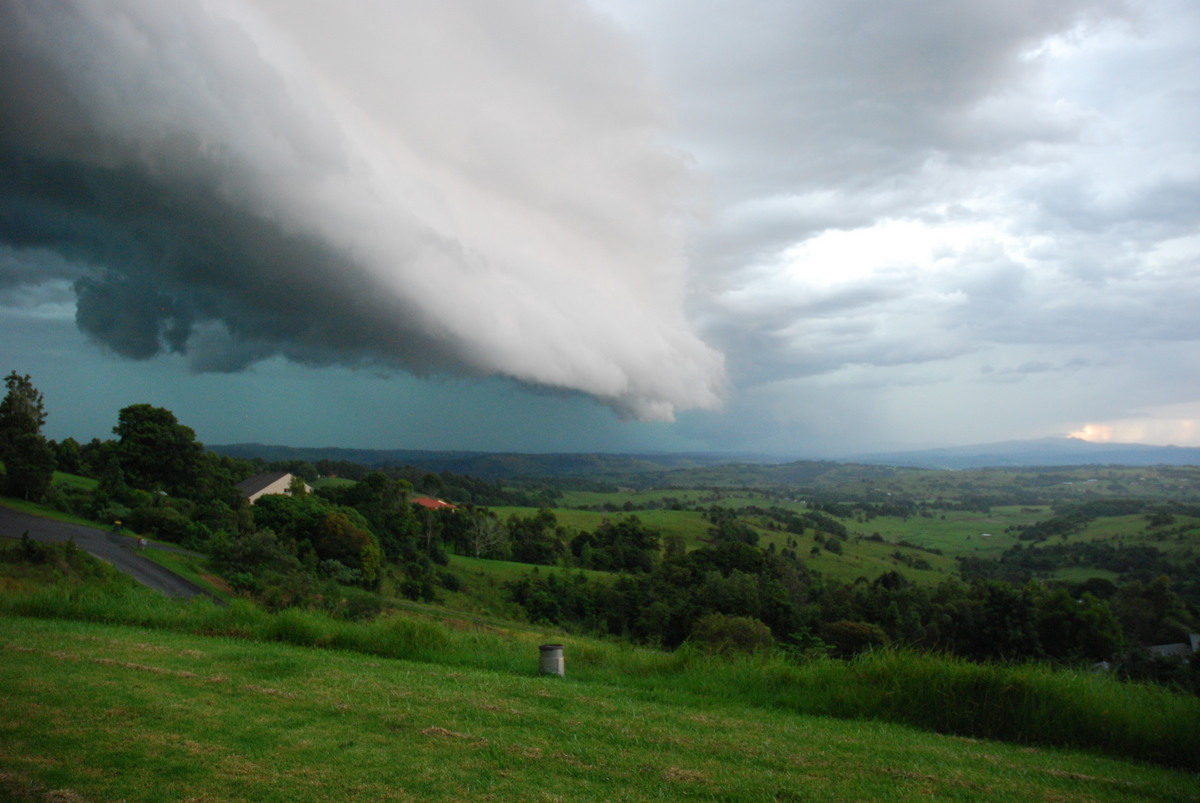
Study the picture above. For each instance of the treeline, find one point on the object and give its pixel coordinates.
(984, 620)
(459, 488)
(156, 479)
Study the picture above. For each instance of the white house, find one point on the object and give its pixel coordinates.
(269, 482)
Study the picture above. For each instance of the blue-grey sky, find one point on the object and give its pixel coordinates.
(802, 227)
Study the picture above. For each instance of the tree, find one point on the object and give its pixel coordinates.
(297, 487)
(155, 451)
(27, 457)
(383, 502)
(331, 532)
(485, 533)
(23, 408)
(625, 545)
(536, 539)
(67, 456)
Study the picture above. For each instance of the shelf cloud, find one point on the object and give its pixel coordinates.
(449, 188)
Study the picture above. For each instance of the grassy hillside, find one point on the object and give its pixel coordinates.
(111, 692)
(107, 712)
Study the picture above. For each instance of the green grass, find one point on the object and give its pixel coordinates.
(483, 597)
(1027, 704)
(75, 481)
(686, 497)
(955, 532)
(507, 570)
(870, 559)
(331, 482)
(687, 523)
(107, 712)
(191, 567)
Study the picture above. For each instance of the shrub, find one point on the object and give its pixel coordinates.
(165, 523)
(851, 638)
(723, 634)
(357, 605)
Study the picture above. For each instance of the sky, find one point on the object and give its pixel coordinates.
(805, 228)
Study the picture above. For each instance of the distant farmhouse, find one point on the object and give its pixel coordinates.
(1183, 649)
(269, 482)
(432, 504)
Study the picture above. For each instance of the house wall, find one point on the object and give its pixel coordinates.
(280, 486)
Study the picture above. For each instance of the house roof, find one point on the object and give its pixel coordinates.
(432, 504)
(253, 485)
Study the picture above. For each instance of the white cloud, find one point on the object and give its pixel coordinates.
(440, 187)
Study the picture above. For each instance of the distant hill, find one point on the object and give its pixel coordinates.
(1042, 452)
(493, 465)
(727, 468)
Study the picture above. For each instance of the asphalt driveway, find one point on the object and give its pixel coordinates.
(115, 549)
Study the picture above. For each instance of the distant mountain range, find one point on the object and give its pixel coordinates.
(501, 465)
(496, 465)
(1041, 452)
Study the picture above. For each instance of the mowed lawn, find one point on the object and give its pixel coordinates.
(105, 712)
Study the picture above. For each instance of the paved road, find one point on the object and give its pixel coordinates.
(115, 549)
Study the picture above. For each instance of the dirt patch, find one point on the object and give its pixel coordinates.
(218, 583)
(443, 732)
(679, 775)
(287, 695)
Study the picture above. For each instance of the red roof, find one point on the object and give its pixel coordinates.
(431, 503)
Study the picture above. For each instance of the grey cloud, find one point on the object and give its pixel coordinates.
(232, 194)
(130, 317)
(866, 324)
(847, 93)
(1046, 151)
(814, 115)
(20, 267)
(1162, 209)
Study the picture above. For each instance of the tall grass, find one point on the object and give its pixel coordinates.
(1025, 703)
(1028, 703)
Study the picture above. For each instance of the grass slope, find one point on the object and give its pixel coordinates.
(105, 712)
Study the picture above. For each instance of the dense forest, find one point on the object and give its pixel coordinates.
(753, 572)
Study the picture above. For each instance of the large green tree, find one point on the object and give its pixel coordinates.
(27, 457)
(338, 536)
(156, 452)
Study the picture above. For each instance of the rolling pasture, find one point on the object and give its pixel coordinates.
(95, 711)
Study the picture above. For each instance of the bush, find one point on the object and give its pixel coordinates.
(32, 551)
(449, 580)
(165, 523)
(851, 638)
(356, 605)
(68, 499)
(723, 634)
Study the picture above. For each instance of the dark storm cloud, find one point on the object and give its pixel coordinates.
(228, 202)
(19, 267)
(169, 256)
